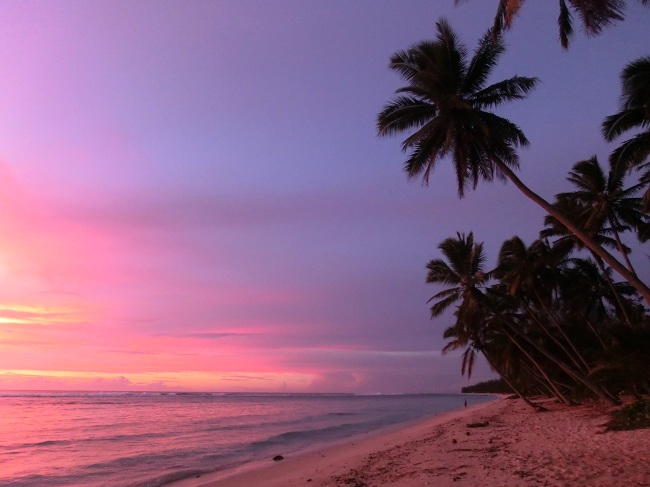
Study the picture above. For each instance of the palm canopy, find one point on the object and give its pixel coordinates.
(594, 15)
(602, 199)
(463, 271)
(446, 104)
(590, 289)
(564, 241)
(634, 114)
(528, 270)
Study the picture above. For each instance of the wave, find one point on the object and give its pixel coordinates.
(77, 441)
(57, 394)
(298, 439)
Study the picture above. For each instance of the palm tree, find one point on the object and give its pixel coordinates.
(502, 344)
(589, 294)
(634, 114)
(601, 200)
(526, 269)
(565, 242)
(595, 15)
(464, 272)
(446, 102)
(532, 274)
(521, 326)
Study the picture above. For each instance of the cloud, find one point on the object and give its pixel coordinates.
(245, 378)
(34, 381)
(214, 335)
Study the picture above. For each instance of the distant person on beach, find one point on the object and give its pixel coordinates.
(465, 402)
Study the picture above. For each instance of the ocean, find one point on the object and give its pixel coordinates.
(85, 439)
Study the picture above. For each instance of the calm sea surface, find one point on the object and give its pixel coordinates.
(146, 439)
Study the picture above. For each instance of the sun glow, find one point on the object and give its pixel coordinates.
(38, 315)
(160, 381)
(4, 267)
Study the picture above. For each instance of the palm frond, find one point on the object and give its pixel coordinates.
(633, 152)
(588, 176)
(424, 156)
(627, 119)
(597, 14)
(404, 113)
(507, 10)
(441, 306)
(482, 63)
(515, 88)
(565, 24)
(441, 273)
(636, 84)
(469, 357)
(407, 63)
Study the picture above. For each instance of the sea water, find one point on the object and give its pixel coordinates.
(117, 439)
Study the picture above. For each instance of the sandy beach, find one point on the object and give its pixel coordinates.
(502, 443)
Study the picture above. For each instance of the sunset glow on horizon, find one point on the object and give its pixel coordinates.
(194, 197)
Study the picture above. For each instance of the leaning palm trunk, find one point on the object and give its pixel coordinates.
(581, 235)
(619, 302)
(570, 371)
(621, 249)
(544, 388)
(596, 333)
(550, 383)
(560, 329)
(511, 385)
(579, 364)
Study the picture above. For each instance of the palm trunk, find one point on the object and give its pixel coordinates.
(512, 386)
(544, 385)
(595, 332)
(569, 355)
(560, 329)
(619, 244)
(582, 236)
(550, 382)
(621, 306)
(576, 375)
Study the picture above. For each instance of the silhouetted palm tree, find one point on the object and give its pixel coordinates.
(590, 294)
(464, 272)
(634, 114)
(532, 274)
(446, 104)
(504, 348)
(601, 200)
(565, 242)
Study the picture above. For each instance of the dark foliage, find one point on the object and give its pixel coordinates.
(494, 386)
(631, 417)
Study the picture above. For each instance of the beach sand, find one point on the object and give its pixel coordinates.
(564, 447)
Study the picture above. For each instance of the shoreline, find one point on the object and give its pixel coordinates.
(316, 458)
(564, 447)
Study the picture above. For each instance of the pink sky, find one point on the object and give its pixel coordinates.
(194, 196)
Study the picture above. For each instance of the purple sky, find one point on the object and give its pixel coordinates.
(194, 195)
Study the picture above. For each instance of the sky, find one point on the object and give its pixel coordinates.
(193, 195)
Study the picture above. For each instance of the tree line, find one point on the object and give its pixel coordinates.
(567, 314)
